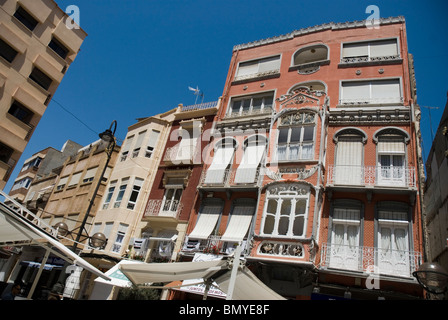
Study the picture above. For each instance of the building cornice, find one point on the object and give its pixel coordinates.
(317, 28)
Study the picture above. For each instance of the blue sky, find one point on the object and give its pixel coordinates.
(140, 57)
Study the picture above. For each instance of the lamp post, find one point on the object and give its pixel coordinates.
(432, 277)
(97, 240)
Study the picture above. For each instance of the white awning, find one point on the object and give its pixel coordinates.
(14, 227)
(239, 223)
(247, 170)
(221, 160)
(206, 222)
(247, 287)
(168, 272)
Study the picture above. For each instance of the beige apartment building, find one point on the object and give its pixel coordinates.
(123, 204)
(29, 186)
(38, 42)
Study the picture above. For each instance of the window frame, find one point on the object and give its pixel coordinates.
(25, 18)
(370, 100)
(264, 107)
(302, 125)
(294, 192)
(368, 58)
(257, 75)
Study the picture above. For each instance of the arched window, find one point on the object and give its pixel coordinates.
(286, 210)
(391, 156)
(310, 54)
(348, 168)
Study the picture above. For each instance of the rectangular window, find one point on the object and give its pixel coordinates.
(7, 52)
(58, 47)
(90, 175)
(62, 183)
(134, 193)
(75, 179)
(121, 192)
(251, 105)
(187, 145)
(391, 160)
(258, 68)
(109, 194)
(5, 153)
(248, 168)
(41, 78)
(152, 142)
(295, 143)
(24, 183)
(121, 233)
(171, 199)
(126, 147)
(370, 51)
(371, 92)
(138, 144)
(25, 18)
(20, 112)
(206, 222)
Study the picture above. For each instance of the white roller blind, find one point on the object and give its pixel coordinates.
(247, 68)
(355, 50)
(269, 64)
(356, 90)
(221, 160)
(206, 222)
(239, 223)
(247, 170)
(187, 145)
(62, 181)
(127, 144)
(386, 90)
(391, 145)
(153, 138)
(383, 48)
(75, 179)
(349, 154)
(140, 137)
(90, 173)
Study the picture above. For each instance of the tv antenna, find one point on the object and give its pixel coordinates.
(430, 120)
(197, 93)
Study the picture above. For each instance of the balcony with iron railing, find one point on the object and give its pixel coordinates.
(388, 262)
(163, 208)
(212, 245)
(371, 176)
(200, 106)
(229, 179)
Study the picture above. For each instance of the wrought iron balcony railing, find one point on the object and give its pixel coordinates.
(372, 176)
(161, 208)
(399, 263)
(228, 178)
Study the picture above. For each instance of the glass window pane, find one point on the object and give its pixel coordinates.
(295, 134)
(257, 102)
(308, 134)
(283, 226)
(283, 136)
(272, 206)
(269, 224)
(297, 228)
(246, 105)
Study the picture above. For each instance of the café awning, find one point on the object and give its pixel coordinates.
(140, 274)
(14, 228)
(247, 285)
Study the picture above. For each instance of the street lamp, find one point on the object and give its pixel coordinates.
(432, 277)
(98, 240)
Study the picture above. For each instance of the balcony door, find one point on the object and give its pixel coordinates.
(349, 155)
(393, 243)
(345, 249)
(391, 161)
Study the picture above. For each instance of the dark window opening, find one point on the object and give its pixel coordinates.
(41, 78)
(20, 112)
(59, 48)
(5, 153)
(6, 51)
(27, 19)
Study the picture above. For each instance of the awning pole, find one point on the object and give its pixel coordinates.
(236, 263)
(39, 273)
(207, 282)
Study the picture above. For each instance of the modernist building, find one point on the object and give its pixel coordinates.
(315, 166)
(36, 49)
(174, 191)
(436, 195)
(40, 166)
